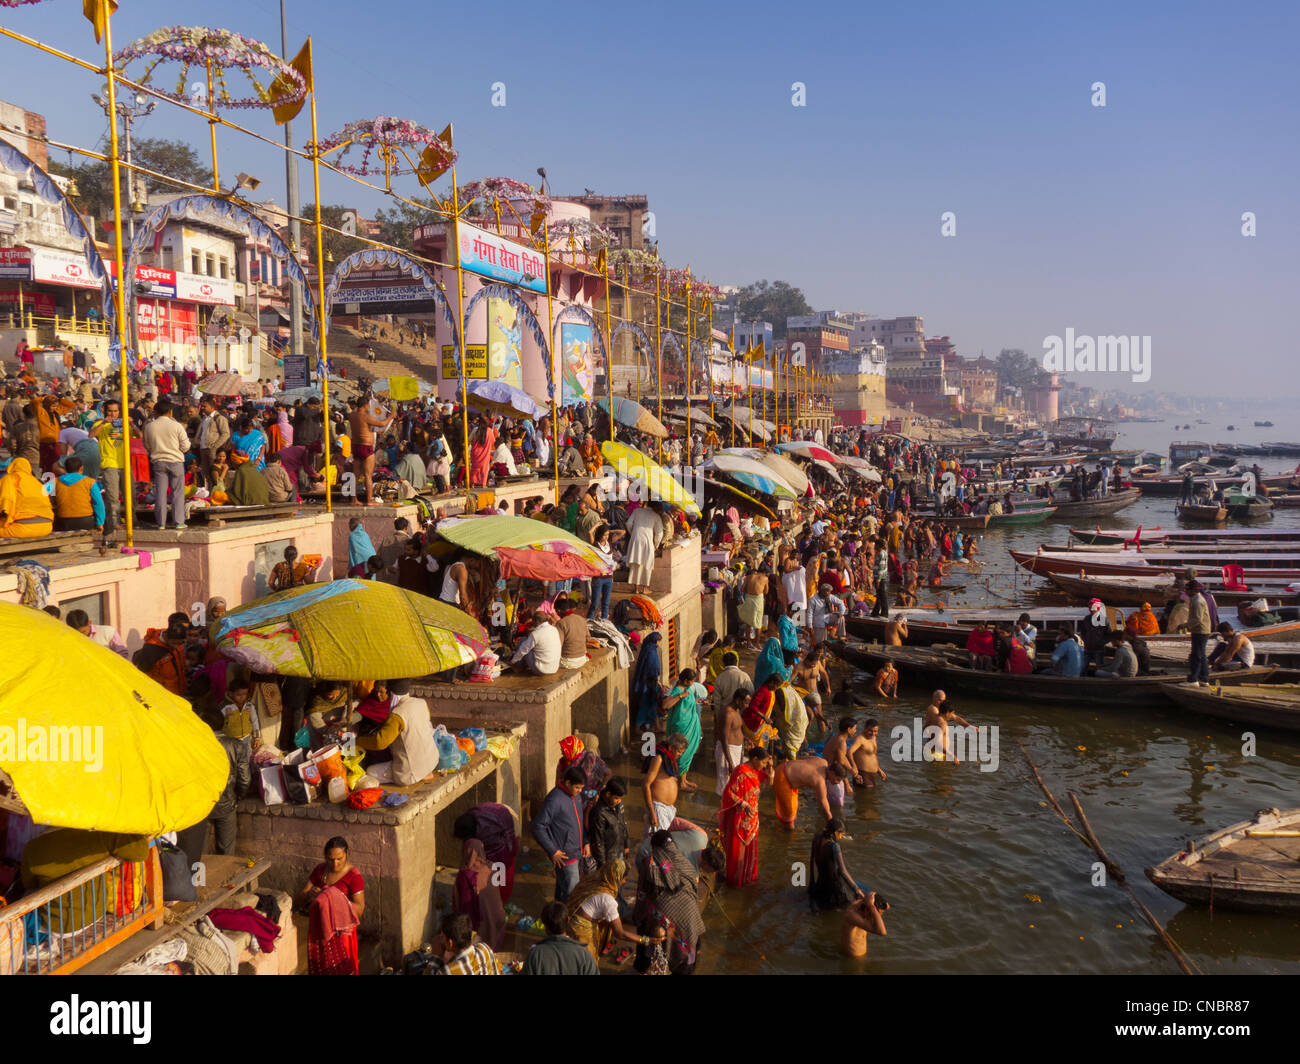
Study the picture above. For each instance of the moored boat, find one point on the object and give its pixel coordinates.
(1253, 866)
(1023, 515)
(1279, 567)
(1135, 590)
(944, 669)
(1109, 504)
(1264, 705)
(1201, 513)
(1171, 536)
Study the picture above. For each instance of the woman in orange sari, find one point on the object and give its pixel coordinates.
(739, 817)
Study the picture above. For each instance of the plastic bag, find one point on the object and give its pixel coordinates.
(450, 755)
(302, 738)
(354, 771)
(477, 734)
(484, 668)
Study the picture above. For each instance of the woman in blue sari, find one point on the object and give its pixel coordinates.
(250, 442)
(360, 549)
(645, 682)
(771, 662)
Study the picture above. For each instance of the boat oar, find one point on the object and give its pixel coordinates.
(1050, 796)
(1115, 871)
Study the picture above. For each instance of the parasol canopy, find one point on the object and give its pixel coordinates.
(632, 414)
(745, 416)
(160, 767)
(779, 464)
(808, 449)
(524, 547)
(401, 389)
(350, 630)
(752, 474)
(698, 417)
(660, 483)
(505, 400)
(829, 469)
(222, 384)
(719, 492)
(861, 467)
(338, 387)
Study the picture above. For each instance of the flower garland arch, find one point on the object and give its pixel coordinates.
(382, 140)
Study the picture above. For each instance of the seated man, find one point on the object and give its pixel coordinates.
(1125, 663)
(25, 510)
(574, 635)
(1067, 658)
(1235, 650)
(78, 500)
(540, 649)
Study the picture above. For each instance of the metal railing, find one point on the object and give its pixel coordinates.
(71, 324)
(104, 903)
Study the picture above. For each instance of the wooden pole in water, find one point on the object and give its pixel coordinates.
(1156, 926)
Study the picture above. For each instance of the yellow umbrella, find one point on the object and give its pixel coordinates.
(660, 483)
(91, 742)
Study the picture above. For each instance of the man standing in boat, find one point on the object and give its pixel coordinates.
(1199, 628)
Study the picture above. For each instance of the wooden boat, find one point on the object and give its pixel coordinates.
(1253, 866)
(1277, 567)
(1247, 507)
(1265, 705)
(946, 668)
(1284, 500)
(1135, 590)
(1171, 536)
(1112, 503)
(1210, 513)
(960, 521)
(930, 625)
(1028, 515)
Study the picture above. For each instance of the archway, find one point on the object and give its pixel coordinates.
(647, 345)
(381, 257)
(14, 162)
(201, 208)
(670, 339)
(502, 291)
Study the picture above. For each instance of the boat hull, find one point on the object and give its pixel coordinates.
(1241, 706)
(1113, 503)
(1036, 687)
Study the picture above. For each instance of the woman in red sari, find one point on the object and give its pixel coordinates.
(739, 817)
(337, 896)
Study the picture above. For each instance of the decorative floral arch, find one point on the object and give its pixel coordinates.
(646, 343)
(388, 137)
(203, 208)
(511, 296)
(14, 162)
(573, 312)
(381, 257)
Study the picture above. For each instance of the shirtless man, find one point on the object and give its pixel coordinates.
(886, 685)
(864, 755)
(895, 631)
(363, 425)
(836, 752)
(730, 732)
(810, 674)
(751, 608)
(863, 916)
(791, 777)
(938, 715)
(661, 785)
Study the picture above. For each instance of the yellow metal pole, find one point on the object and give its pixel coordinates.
(212, 130)
(708, 347)
(320, 288)
(119, 299)
(689, 336)
(550, 354)
(460, 319)
(609, 353)
(659, 349)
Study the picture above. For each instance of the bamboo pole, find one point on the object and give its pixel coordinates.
(119, 298)
(550, 356)
(463, 325)
(609, 352)
(321, 309)
(212, 131)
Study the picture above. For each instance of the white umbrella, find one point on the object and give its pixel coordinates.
(782, 466)
(830, 470)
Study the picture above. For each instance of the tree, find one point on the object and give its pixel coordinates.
(94, 179)
(1015, 369)
(397, 227)
(336, 245)
(772, 302)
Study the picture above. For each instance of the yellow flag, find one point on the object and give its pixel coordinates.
(445, 135)
(602, 261)
(403, 389)
(98, 12)
(431, 166)
(536, 222)
(282, 86)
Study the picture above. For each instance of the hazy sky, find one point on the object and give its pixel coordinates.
(1123, 219)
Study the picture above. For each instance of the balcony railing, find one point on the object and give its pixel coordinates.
(67, 924)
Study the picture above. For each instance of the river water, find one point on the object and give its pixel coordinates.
(981, 874)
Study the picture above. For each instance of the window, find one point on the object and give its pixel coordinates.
(194, 262)
(225, 268)
(92, 604)
(212, 265)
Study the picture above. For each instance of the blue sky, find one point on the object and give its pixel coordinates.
(1124, 219)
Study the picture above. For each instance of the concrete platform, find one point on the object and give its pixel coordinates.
(396, 849)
